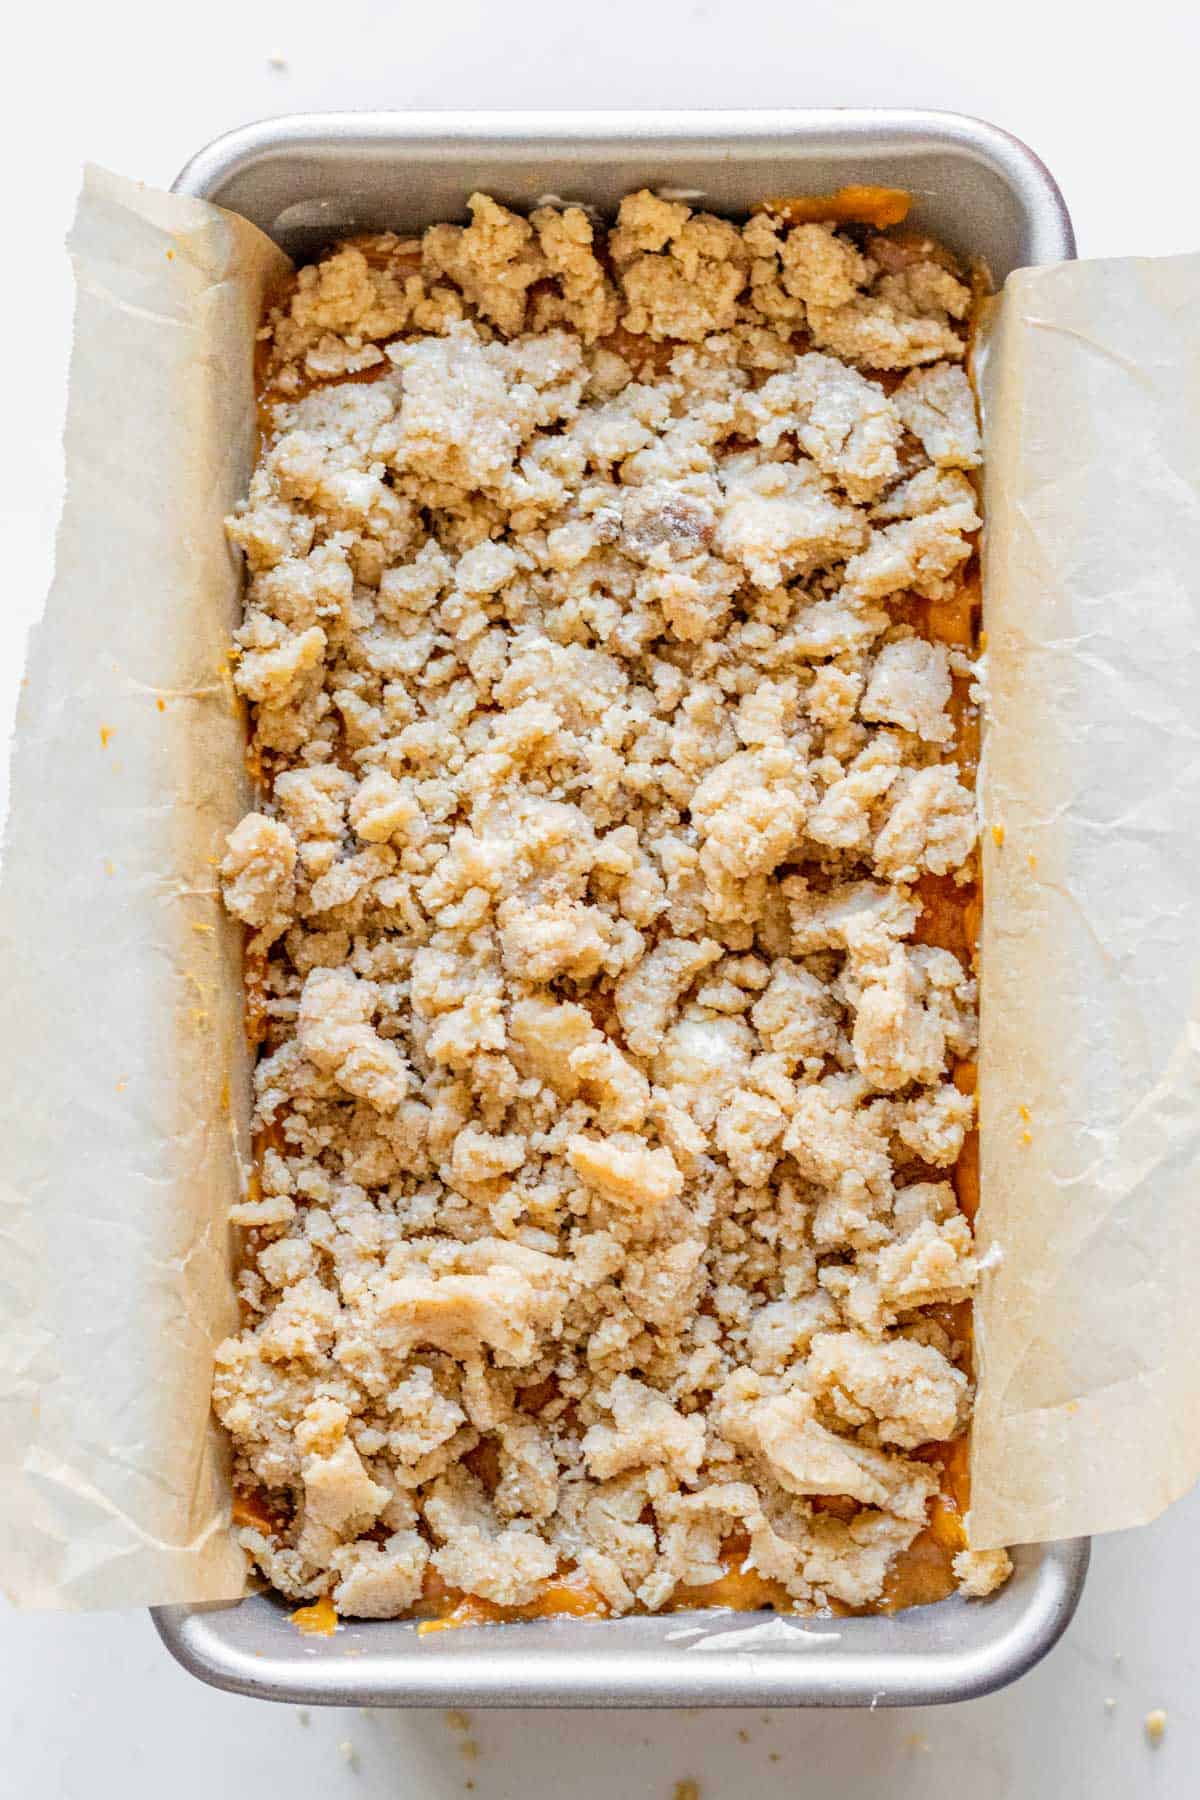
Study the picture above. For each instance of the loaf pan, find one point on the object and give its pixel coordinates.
(307, 180)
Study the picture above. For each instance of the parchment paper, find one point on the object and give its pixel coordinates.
(121, 1049)
(1088, 1329)
(122, 1056)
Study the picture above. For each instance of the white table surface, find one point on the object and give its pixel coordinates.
(92, 1708)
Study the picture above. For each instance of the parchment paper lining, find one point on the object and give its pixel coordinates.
(121, 1046)
(122, 1055)
(1088, 1325)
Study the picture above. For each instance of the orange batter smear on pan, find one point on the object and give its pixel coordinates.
(318, 1620)
(854, 205)
(568, 1596)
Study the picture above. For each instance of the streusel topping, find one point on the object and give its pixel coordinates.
(606, 1092)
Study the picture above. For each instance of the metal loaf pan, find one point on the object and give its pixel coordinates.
(306, 180)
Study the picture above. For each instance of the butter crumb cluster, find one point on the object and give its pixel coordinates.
(605, 1098)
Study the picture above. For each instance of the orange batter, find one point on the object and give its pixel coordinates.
(855, 205)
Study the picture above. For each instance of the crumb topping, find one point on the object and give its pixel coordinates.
(605, 1093)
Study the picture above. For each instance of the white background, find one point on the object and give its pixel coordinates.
(91, 1708)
